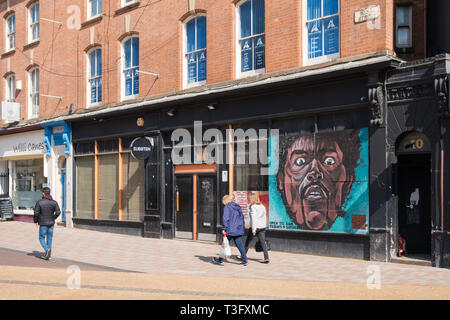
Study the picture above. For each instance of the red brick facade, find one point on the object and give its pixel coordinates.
(61, 53)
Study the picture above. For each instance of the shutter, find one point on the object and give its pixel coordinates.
(134, 188)
(108, 197)
(85, 187)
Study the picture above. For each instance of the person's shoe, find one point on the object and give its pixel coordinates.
(244, 263)
(217, 261)
(239, 258)
(47, 255)
(266, 261)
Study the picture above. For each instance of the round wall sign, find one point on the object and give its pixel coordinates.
(141, 148)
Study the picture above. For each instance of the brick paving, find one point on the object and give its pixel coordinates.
(161, 256)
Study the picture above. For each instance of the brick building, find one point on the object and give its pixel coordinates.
(83, 79)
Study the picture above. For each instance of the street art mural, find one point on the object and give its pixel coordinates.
(321, 183)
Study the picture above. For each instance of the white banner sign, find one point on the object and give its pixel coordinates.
(22, 144)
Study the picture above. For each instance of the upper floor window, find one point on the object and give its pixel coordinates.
(403, 26)
(130, 74)
(127, 2)
(251, 35)
(94, 8)
(11, 88)
(195, 56)
(11, 32)
(95, 76)
(33, 18)
(322, 26)
(33, 93)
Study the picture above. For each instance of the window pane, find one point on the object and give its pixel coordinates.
(136, 81)
(315, 39)
(403, 15)
(127, 49)
(330, 7)
(259, 45)
(314, 9)
(92, 57)
(135, 52)
(94, 7)
(99, 7)
(133, 189)
(403, 36)
(190, 30)
(202, 66)
(85, 187)
(192, 67)
(246, 55)
(128, 83)
(258, 16)
(246, 19)
(331, 35)
(99, 62)
(28, 180)
(201, 33)
(108, 197)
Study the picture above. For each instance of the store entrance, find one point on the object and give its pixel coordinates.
(414, 212)
(196, 205)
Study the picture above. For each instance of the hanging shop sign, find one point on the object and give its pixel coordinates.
(142, 147)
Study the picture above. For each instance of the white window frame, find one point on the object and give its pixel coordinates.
(409, 25)
(123, 95)
(89, 9)
(239, 73)
(32, 24)
(33, 94)
(10, 87)
(187, 85)
(10, 35)
(88, 78)
(324, 58)
(127, 3)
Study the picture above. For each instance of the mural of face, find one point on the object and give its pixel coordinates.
(314, 181)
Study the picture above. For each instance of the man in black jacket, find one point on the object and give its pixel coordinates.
(45, 213)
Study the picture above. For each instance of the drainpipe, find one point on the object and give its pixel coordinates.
(425, 54)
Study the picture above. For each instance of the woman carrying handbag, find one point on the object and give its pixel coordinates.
(258, 224)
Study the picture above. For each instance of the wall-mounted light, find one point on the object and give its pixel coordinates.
(211, 106)
(171, 112)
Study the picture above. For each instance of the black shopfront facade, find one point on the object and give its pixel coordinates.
(339, 152)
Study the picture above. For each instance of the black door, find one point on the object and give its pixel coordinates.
(206, 207)
(414, 220)
(184, 206)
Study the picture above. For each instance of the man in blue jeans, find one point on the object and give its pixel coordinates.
(233, 226)
(45, 213)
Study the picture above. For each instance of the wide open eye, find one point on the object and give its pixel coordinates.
(300, 161)
(329, 161)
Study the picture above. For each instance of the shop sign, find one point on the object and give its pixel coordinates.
(21, 144)
(142, 147)
(367, 14)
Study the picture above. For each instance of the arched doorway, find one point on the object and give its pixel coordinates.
(413, 151)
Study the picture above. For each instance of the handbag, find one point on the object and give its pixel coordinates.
(259, 248)
(225, 249)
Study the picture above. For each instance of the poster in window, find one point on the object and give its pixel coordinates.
(93, 91)
(321, 183)
(128, 83)
(192, 67)
(246, 55)
(202, 66)
(315, 39)
(331, 35)
(260, 50)
(136, 81)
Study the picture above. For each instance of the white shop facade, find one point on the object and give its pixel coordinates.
(30, 161)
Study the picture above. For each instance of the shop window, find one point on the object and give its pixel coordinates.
(322, 30)
(403, 27)
(95, 76)
(83, 148)
(130, 73)
(33, 18)
(11, 32)
(251, 36)
(28, 180)
(85, 186)
(108, 195)
(195, 56)
(133, 195)
(108, 146)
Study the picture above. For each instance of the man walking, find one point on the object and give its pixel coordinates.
(45, 213)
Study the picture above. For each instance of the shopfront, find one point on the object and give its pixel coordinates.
(22, 158)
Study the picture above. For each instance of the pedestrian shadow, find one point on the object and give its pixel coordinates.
(232, 259)
(35, 254)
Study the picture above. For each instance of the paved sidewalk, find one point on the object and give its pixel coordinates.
(158, 256)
